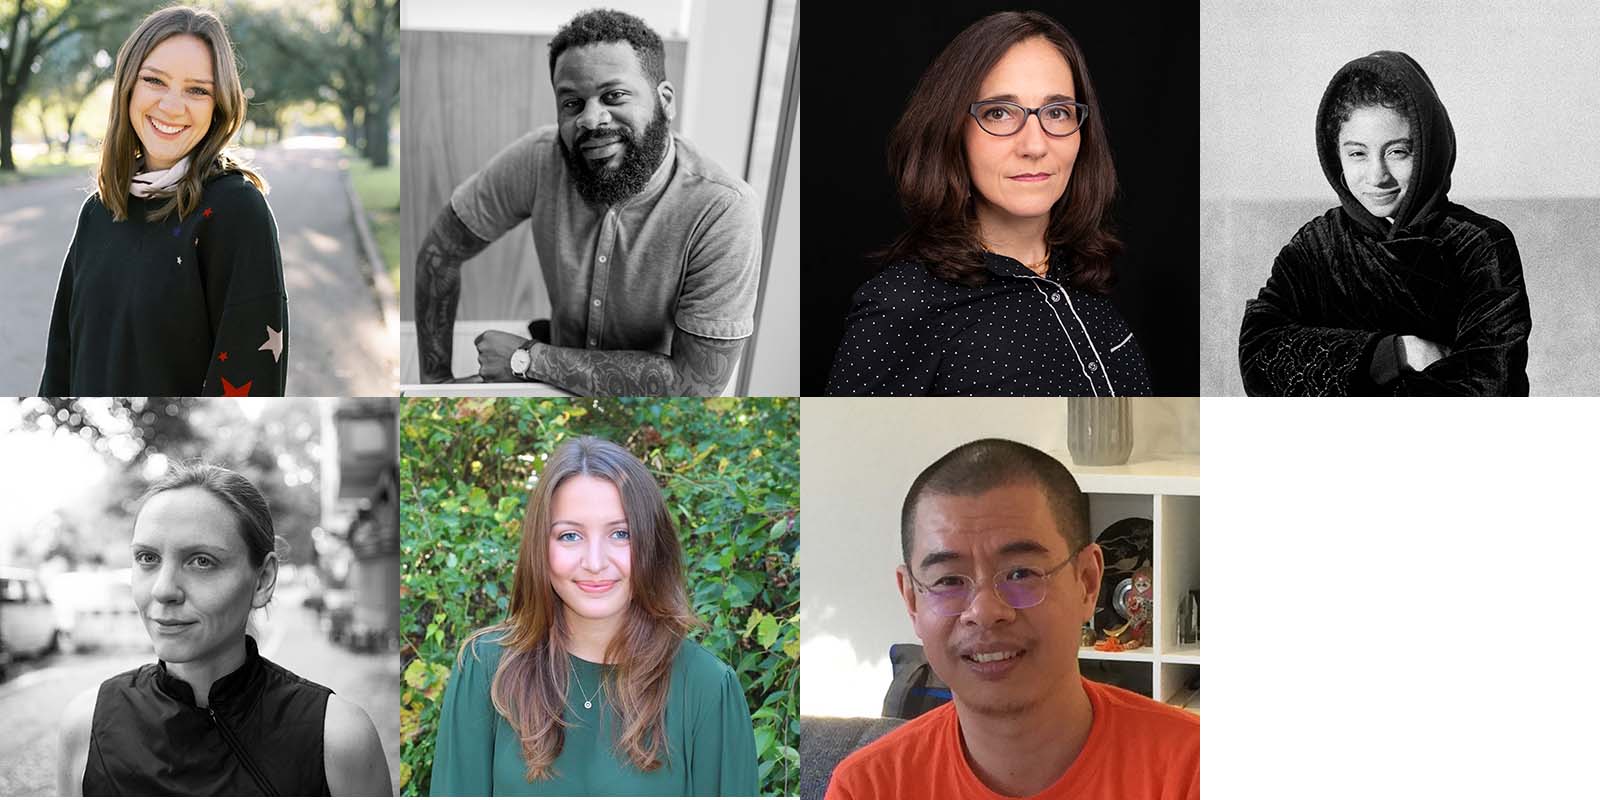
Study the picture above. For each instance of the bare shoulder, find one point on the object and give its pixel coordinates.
(352, 753)
(76, 722)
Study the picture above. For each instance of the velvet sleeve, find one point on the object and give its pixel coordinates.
(1490, 353)
(722, 757)
(1280, 354)
(463, 755)
(886, 349)
(245, 299)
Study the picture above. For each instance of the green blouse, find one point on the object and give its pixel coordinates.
(711, 747)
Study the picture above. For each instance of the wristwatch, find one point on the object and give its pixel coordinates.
(521, 359)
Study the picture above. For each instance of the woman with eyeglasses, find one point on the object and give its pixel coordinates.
(999, 285)
(1396, 290)
(590, 688)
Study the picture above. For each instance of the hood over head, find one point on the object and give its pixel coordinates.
(1433, 139)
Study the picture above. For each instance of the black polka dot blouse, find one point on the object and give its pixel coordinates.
(910, 333)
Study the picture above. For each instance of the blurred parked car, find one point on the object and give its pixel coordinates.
(28, 621)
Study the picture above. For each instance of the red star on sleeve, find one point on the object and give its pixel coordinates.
(223, 356)
(206, 213)
(229, 390)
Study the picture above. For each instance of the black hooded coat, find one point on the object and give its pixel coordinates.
(1349, 281)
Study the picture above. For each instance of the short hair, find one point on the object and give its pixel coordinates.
(236, 492)
(978, 466)
(927, 159)
(604, 25)
(1364, 88)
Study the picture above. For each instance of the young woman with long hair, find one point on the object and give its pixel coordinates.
(590, 686)
(173, 284)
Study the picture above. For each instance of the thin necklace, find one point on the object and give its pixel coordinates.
(588, 699)
(1034, 267)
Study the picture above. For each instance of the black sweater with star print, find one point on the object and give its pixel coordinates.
(1018, 334)
(176, 308)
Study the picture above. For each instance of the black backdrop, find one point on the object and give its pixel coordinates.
(1144, 59)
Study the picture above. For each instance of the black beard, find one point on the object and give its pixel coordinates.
(639, 161)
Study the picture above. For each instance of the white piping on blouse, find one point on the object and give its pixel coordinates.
(1081, 367)
(1104, 372)
(1124, 341)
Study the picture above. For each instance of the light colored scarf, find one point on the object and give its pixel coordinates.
(159, 182)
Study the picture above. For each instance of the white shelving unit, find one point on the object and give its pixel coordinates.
(1165, 490)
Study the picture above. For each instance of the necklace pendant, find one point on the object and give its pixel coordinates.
(588, 704)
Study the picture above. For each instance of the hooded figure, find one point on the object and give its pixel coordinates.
(1397, 291)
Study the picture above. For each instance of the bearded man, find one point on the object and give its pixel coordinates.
(650, 252)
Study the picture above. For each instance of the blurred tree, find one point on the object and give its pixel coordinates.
(68, 74)
(30, 29)
(282, 61)
(365, 79)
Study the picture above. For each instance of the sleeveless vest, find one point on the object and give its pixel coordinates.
(262, 734)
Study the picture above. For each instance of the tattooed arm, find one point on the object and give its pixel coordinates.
(449, 244)
(698, 366)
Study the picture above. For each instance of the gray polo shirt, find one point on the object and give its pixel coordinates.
(684, 252)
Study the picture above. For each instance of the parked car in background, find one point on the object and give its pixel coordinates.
(29, 625)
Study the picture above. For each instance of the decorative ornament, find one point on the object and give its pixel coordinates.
(229, 390)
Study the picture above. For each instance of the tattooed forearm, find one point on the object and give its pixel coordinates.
(449, 244)
(698, 366)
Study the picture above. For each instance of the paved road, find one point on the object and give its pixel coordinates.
(31, 705)
(340, 345)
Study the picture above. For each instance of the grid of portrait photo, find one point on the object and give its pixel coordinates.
(445, 398)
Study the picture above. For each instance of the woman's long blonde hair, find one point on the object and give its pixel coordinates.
(530, 684)
(120, 151)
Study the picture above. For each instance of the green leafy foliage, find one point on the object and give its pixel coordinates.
(730, 471)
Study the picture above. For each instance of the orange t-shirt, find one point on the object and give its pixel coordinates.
(1138, 749)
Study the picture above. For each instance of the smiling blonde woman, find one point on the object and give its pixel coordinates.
(590, 688)
(173, 284)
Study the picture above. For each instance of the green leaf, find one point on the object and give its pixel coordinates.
(768, 632)
(416, 674)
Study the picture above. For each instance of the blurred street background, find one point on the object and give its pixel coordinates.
(322, 80)
(71, 473)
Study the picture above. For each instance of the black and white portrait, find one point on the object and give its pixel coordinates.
(591, 198)
(1398, 200)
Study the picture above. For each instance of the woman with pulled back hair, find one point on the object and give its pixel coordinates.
(1397, 290)
(212, 716)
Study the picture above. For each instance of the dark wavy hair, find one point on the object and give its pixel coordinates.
(929, 162)
(1361, 89)
(604, 25)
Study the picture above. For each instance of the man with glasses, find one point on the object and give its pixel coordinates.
(999, 576)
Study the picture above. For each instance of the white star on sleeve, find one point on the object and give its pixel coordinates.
(274, 343)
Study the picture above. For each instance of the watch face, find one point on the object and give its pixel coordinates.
(519, 361)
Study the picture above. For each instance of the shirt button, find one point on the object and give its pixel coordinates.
(594, 342)
(1055, 297)
(1094, 366)
(602, 259)
(597, 302)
